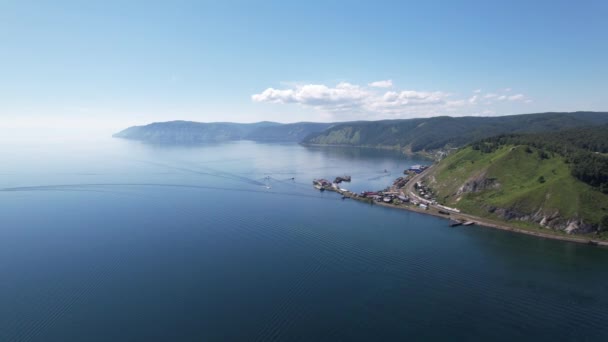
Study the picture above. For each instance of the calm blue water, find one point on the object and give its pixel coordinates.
(121, 241)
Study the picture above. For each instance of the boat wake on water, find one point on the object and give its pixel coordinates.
(209, 172)
(91, 188)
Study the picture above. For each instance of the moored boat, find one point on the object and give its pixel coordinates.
(321, 184)
(454, 223)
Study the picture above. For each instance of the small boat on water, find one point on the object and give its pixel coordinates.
(321, 184)
(454, 223)
(468, 223)
(341, 179)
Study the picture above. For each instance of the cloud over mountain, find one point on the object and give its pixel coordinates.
(374, 100)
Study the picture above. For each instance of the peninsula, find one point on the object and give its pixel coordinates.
(543, 174)
(552, 185)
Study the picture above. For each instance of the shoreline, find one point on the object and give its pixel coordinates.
(403, 150)
(478, 221)
(487, 223)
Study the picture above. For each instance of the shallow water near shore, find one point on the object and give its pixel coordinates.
(118, 240)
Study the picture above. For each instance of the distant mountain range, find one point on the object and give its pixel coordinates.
(189, 132)
(408, 135)
(415, 135)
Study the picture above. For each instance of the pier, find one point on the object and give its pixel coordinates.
(406, 193)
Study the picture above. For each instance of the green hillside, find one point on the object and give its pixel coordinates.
(415, 135)
(294, 132)
(514, 180)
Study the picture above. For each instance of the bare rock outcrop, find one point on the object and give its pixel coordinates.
(550, 220)
(478, 183)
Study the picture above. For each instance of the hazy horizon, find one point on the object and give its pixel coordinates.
(101, 67)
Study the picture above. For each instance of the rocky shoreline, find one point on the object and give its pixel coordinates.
(451, 215)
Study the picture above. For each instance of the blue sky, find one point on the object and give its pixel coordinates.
(113, 64)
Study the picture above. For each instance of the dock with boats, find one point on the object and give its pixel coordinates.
(401, 194)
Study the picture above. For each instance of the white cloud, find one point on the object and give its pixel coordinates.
(382, 84)
(372, 102)
(477, 91)
(517, 97)
(503, 96)
(274, 96)
(344, 96)
(456, 103)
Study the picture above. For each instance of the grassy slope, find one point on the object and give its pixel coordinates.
(518, 172)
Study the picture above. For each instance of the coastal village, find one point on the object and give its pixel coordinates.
(406, 192)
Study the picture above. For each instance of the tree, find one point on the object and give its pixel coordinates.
(604, 223)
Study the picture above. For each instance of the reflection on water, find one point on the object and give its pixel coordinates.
(120, 240)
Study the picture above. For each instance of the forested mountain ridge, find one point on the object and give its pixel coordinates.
(295, 132)
(417, 135)
(407, 135)
(189, 132)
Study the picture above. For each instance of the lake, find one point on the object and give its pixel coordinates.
(116, 240)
